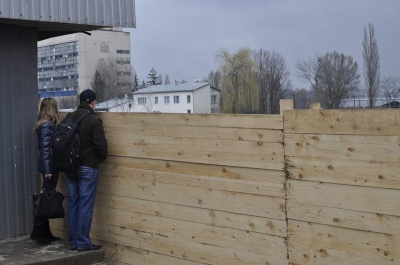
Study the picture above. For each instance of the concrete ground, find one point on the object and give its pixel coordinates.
(22, 250)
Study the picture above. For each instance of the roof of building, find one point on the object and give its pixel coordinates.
(185, 87)
(55, 18)
(112, 103)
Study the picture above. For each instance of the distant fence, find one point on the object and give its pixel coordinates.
(308, 187)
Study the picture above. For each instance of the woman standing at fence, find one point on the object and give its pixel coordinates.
(47, 120)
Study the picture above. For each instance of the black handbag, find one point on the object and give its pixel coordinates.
(48, 204)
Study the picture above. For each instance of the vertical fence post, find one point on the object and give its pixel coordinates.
(286, 104)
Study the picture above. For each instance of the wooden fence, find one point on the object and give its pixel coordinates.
(308, 187)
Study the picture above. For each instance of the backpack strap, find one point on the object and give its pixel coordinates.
(82, 117)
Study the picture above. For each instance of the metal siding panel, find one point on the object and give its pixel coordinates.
(118, 13)
(73, 11)
(64, 11)
(130, 14)
(122, 12)
(44, 10)
(115, 13)
(35, 10)
(18, 147)
(107, 12)
(15, 9)
(55, 11)
(90, 12)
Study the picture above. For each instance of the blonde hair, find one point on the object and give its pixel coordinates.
(48, 112)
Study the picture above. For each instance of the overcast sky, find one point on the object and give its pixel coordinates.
(182, 37)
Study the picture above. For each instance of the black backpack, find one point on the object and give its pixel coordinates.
(66, 144)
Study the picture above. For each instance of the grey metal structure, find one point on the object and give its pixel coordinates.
(22, 24)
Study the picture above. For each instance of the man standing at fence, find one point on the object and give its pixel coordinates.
(82, 187)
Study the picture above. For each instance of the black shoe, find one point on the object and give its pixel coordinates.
(92, 247)
(37, 235)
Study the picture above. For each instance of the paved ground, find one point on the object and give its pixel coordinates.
(22, 250)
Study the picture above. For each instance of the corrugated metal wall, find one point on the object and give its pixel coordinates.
(18, 110)
(117, 13)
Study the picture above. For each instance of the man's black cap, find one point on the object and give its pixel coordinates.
(87, 95)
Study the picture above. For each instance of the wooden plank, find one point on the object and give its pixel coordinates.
(178, 248)
(380, 223)
(237, 146)
(257, 205)
(350, 243)
(345, 171)
(142, 149)
(354, 147)
(199, 132)
(301, 254)
(129, 255)
(196, 215)
(364, 199)
(353, 122)
(132, 175)
(227, 238)
(227, 172)
(259, 121)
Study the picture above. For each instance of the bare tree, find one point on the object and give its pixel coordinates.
(273, 79)
(215, 79)
(391, 89)
(118, 78)
(371, 64)
(239, 93)
(332, 77)
(302, 98)
(307, 70)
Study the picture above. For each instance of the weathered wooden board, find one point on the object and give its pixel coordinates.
(227, 238)
(322, 244)
(257, 205)
(179, 248)
(198, 132)
(345, 171)
(196, 215)
(208, 120)
(353, 122)
(219, 152)
(130, 255)
(380, 223)
(302, 254)
(363, 199)
(131, 175)
(355, 147)
(218, 171)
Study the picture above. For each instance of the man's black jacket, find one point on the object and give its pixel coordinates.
(92, 137)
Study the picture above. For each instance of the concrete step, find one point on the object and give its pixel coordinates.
(22, 250)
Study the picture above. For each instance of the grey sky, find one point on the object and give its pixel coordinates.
(181, 37)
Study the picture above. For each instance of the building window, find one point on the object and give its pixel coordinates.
(166, 99)
(176, 99)
(155, 100)
(214, 99)
(188, 98)
(189, 111)
(142, 101)
(123, 52)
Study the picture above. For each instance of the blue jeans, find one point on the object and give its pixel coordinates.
(81, 197)
(48, 184)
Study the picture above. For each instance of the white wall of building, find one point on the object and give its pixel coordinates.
(182, 107)
(100, 45)
(202, 100)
